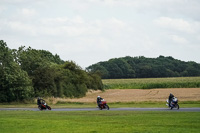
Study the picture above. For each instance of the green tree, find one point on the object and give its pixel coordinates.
(15, 85)
(27, 72)
(142, 67)
(75, 80)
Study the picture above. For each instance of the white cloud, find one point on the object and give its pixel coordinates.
(64, 26)
(116, 23)
(198, 38)
(103, 29)
(21, 28)
(2, 8)
(62, 21)
(28, 12)
(77, 26)
(175, 24)
(16, 1)
(178, 39)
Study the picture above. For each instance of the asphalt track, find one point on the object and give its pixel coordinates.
(111, 109)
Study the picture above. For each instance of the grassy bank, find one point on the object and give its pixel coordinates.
(99, 121)
(150, 83)
(188, 104)
(150, 104)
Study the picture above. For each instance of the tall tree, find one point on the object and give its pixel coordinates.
(14, 82)
(27, 73)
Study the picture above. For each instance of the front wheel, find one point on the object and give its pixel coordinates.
(49, 108)
(177, 106)
(107, 107)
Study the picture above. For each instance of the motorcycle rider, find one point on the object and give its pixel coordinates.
(99, 100)
(39, 101)
(171, 96)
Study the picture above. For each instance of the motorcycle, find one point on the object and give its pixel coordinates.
(173, 104)
(44, 106)
(103, 105)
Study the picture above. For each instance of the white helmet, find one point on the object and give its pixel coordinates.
(98, 96)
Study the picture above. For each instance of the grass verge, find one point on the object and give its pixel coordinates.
(99, 121)
(150, 104)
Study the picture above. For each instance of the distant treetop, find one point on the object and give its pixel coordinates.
(142, 67)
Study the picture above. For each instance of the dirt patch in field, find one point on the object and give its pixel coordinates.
(137, 95)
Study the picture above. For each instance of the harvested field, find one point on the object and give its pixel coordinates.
(138, 95)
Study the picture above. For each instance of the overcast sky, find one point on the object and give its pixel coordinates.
(90, 31)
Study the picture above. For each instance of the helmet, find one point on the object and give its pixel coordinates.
(98, 96)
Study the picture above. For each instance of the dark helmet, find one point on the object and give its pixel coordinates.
(171, 95)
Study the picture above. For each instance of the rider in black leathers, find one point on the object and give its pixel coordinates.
(170, 98)
(99, 101)
(39, 101)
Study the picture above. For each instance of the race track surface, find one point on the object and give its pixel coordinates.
(111, 109)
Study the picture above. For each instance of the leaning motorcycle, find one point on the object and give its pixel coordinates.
(173, 104)
(103, 105)
(44, 106)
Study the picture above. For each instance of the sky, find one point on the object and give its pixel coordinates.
(90, 31)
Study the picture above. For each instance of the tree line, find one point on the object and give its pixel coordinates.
(142, 67)
(26, 73)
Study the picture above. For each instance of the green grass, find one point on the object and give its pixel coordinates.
(99, 121)
(188, 104)
(149, 104)
(150, 83)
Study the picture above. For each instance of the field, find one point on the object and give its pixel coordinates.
(123, 92)
(138, 95)
(150, 83)
(188, 97)
(110, 121)
(187, 89)
(99, 121)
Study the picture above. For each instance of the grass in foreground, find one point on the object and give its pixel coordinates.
(150, 83)
(99, 121)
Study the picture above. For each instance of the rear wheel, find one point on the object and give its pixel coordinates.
(39, 108)
(100, 108)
